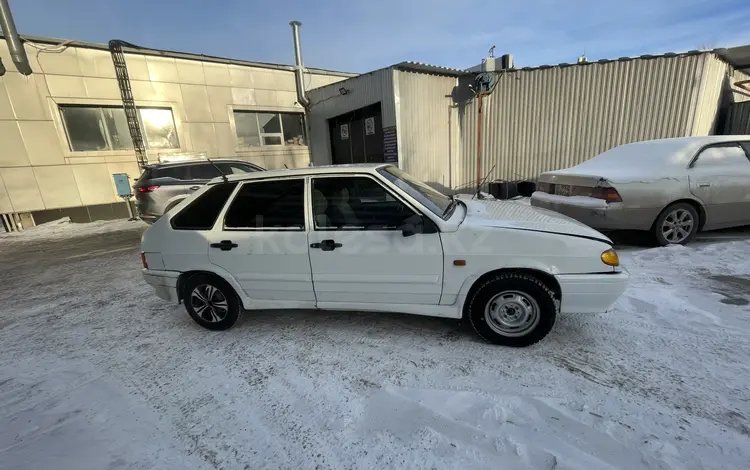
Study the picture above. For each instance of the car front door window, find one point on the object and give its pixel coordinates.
(356, 203)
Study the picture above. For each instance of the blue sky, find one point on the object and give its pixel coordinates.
(362, 35)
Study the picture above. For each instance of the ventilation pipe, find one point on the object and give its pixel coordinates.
(17, 52)
(299, 72)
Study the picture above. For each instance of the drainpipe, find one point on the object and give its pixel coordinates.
(300, 78)
(15, 47)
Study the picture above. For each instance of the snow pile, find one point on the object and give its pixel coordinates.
(96, 372)
(64, 228)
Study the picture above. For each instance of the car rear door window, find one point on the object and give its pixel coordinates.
(268, 205)
(201, 214)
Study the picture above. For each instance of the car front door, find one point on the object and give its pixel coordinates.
(720, 177)
(359, 251)
(262, 242)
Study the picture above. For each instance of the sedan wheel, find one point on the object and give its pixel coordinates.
(210, 301)
(677, 224)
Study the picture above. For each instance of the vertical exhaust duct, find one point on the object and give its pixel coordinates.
(299, 72)
(17, 52)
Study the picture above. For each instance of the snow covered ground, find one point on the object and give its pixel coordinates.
(96, 372)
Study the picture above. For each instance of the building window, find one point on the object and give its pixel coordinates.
(97, 128)
(257, 129)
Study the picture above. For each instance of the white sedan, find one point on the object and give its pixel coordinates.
(372, 238)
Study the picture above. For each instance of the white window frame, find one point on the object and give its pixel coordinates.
(261, 134)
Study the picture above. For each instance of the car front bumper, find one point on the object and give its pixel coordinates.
(596, 213)
(591, 293)
(163, 282)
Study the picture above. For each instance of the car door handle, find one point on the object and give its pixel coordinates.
(224, 245)
(326, 245)
(194, 188)
(704, 185)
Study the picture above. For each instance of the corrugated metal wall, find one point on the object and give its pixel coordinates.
(428, 128)
(549, 118)
(738, 75)
(328, 102)
(714, 72)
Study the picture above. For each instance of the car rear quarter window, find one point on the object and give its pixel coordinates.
(201, 213)
(268, 205)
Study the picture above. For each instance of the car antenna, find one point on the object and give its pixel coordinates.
(478, 195)
(223, 175)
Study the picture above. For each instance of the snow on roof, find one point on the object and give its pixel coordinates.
(648, 156)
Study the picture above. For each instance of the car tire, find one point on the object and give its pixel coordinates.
(677, 224)
(211, 302)
(512, 309)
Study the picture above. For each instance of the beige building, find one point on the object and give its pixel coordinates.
(63, 132)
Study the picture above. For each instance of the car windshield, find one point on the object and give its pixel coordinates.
(437, 202)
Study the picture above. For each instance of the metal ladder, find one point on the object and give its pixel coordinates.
(128, 104)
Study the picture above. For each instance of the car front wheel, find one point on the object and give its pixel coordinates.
(512, 309)
(211, 302)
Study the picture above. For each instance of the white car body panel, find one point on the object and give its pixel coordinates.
(385, 271)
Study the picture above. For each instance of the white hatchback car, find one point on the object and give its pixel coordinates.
(372, 238)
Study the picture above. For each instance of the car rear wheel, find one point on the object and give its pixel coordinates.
(512, 309)
(676, 225)
(211, 302)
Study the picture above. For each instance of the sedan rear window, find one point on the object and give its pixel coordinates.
(201, 214)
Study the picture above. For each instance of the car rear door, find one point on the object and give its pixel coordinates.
(262, 242)
(720, 177)
(358, 251)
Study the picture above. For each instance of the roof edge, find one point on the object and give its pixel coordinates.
(180, 55)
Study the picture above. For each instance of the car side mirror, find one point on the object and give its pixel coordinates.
(412, 225)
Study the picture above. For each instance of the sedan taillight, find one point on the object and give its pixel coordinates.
(147, 189)
(608, 194)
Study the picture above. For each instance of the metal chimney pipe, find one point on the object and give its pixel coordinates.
(300, 78)
(17, 52)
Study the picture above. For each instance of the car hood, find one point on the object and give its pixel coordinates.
(520, 216)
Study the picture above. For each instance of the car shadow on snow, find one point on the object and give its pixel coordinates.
(391, 327)
(640, 239)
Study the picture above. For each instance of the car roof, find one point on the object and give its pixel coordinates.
(313, 170)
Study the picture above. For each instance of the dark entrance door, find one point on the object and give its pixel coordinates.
(357, 137)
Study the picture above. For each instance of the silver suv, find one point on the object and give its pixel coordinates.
(163, 185)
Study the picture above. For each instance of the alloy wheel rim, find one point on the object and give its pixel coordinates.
(209, 303)
(677, 226)
(512, 313)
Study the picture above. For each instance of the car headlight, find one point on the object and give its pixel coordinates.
(610, 258)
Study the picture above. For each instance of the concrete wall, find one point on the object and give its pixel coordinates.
(328, 102)
(38, 171)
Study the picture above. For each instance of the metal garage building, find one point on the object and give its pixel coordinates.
(535, 119)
